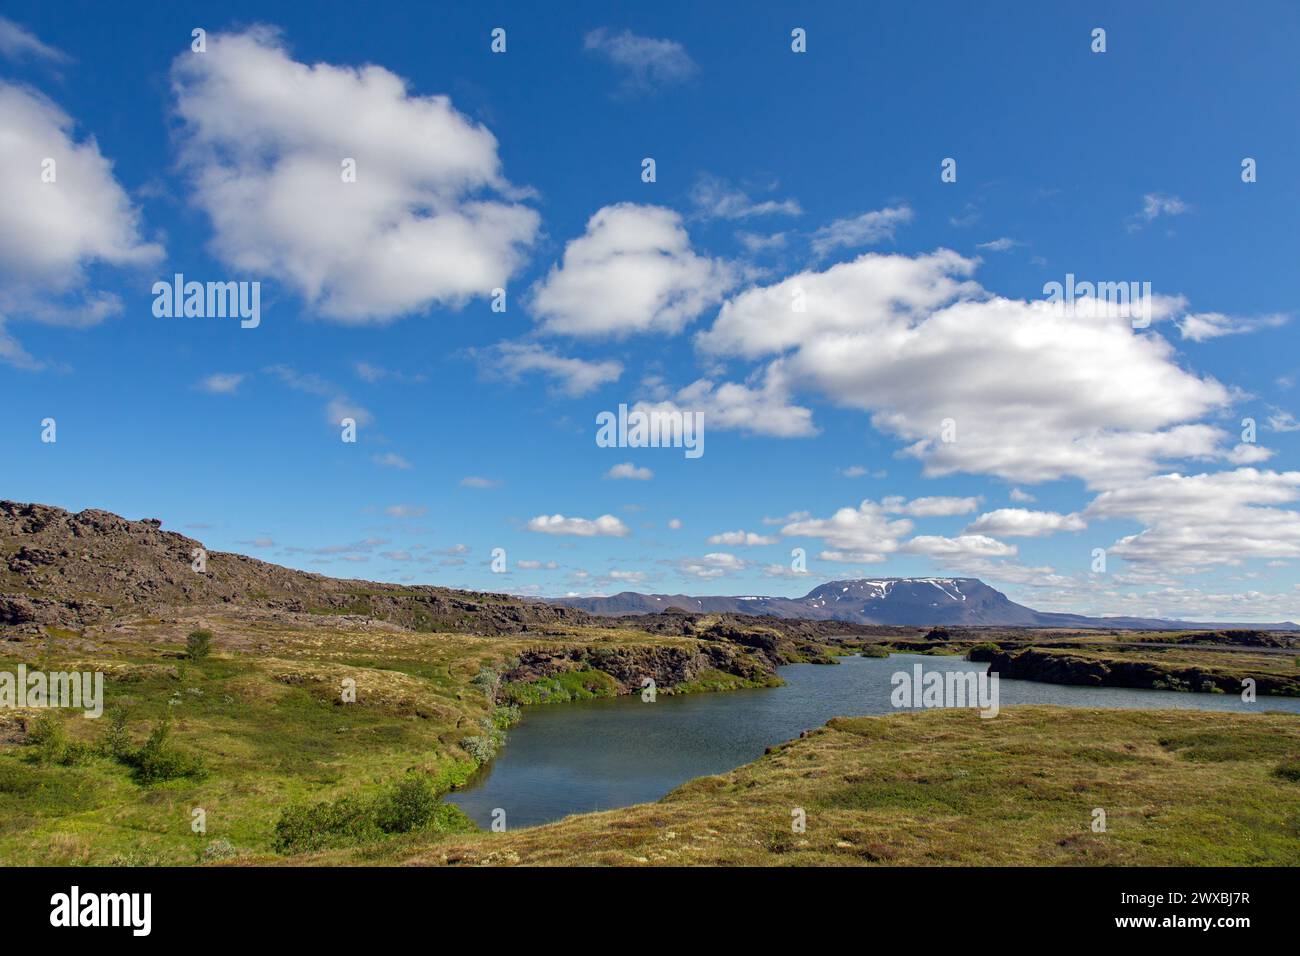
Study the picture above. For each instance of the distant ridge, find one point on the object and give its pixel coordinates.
(909, 602)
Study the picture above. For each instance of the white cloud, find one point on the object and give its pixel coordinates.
(866, 532)
(929, 507)
(51, 233)
(962, 546)
(761, 410)
(17, 43)
(755, 243)
(606, 526)
(674, 524)
(998, 245)
(645, 62)
(714, 565)
(864, 230)
(391, 460)
(406, 511)
(627, 470)
(1199, 521)
(1021, 497)
(475, 481)
(429, 219)
(742, 538)
(632, 271)
(1023, 523)
(1035, 392)
(1283, 421)
(1202, 326)
(1155, 205)
(536, 565)
(715, 198)
(221, 383)
(573, 376)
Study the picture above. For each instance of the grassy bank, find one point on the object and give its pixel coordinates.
(258, 736)
(945, 787)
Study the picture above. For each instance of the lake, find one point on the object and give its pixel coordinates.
(601, 754)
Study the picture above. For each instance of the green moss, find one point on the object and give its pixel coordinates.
(586, 684)
(711, 680)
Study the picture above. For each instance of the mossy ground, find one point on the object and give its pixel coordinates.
(264, 714)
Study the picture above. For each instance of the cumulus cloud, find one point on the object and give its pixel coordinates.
(572, 376)
(972, 382)
(862, 535)
(429, 219)
(1199, 521)
(713, 565)
(632, 271)
(606, 526)
(929, 507)
(762, 409)
(962, 546)
(628, 471)
(742, 538)
(52, 232)
(646, 63)
(476, 481)
(864, 230)
(1023, 523)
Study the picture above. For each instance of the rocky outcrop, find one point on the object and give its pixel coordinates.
(1060, 668)
(630, 666)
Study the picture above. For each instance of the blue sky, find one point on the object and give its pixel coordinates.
(778, 176)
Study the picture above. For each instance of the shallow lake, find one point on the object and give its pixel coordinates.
(600, 754)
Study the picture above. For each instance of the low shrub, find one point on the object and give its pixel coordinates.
(198, 644)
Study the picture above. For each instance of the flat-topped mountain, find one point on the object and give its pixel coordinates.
(914, 602)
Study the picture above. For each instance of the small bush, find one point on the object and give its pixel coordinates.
(1290, 770)
(410, 804)
(983, 651)
(158, 760)
(318, 825)
(481, 748)
(117, 741)
(198, 644)
(407, 806)
(874, 651)
(219, 849)
(49, 736)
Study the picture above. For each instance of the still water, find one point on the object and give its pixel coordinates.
(600, 754)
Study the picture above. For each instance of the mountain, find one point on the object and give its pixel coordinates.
(914, 602)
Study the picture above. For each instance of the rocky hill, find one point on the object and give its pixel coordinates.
(70, 570)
